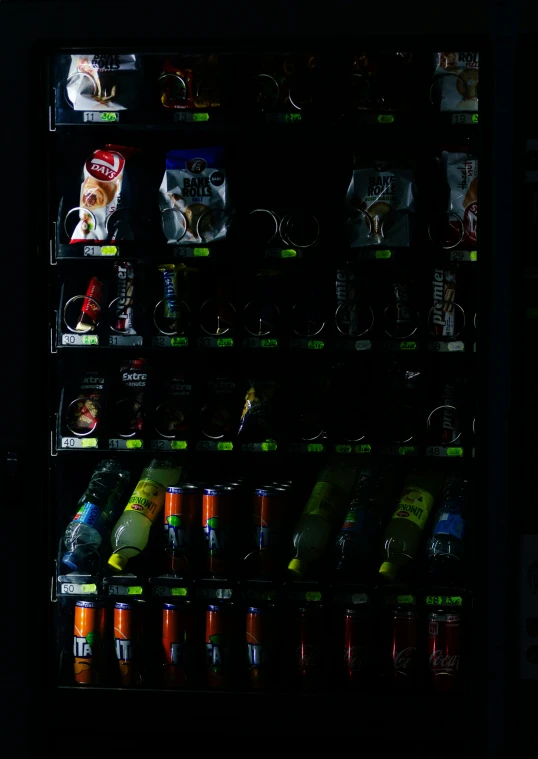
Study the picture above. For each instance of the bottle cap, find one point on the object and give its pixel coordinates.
(388, 570)
(297, 566)
(118, 561)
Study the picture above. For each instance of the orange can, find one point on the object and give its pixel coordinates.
(216, 521)
(181, 512)
(123, 638)
(218, 638)
(177, 639)
(89, 633)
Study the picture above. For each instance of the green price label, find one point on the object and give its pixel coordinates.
(291, 117)
(383, 254)
(90, 340)
(269, 446)
(200, 252)
(406, 599)
(366, 448)
(385, 118)
(179, 445)
(225, 342)
(109, 117)
(269, 342)
(408, 345)
(406, 450)
(179, 592)
(88, 588)
(474, 118)
(315, 448)
(288, 253)
(316, 344)
(225, 446)
(454, 451)
(474, 255)
(134, 590)
(179, 342)
(268, 596)
(343, 449)
(200, 117)
(133, 444)
(109, 250)
(89, 442)
(313, 595)
(444, 601)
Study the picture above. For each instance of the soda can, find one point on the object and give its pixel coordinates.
(404, 646)
(124, 629)
(218, 646)
(215, 504)
(260, 644)
(88, 638)
(309, 651)
(444, 650)
(356, 648)
(176, 641)
(181, 509)
(269, 509)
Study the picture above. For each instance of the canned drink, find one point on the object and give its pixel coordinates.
(88, 638)
(404, 646)
(260, 640)
(216, 502)
(269, 509)
(309, 651)
(123, 639)
(181, 509)
(176, 640)
(356, 648)
(218, 646)
(444, 650)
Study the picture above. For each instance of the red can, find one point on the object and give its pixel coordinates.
(269, 509)
(177, 639)
(404, 646)
(309, 651)
(181, 512)
(356, 647)
(216, 514)
(218, 639)
(444, 649)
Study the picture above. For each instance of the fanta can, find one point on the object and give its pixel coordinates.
(88, 639)
(260, 645)
(124, 631)
(216, 514)
(218, 636)
(268, 510)
(181, 512)
(177, 639)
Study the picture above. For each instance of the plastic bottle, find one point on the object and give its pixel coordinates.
(445, 546)
(354, 541)
(96, 510)
(403, 533)
(322, 512)
(131, 532)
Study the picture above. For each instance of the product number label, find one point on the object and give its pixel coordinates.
(98, 117)
(257, 342)
(163, 341)
(125, 590)
(79, 442)
(162, 590)
(465, 118)
(169, 445)
(180, 252)
(438, 346)
(255, 447)
(214, 445)
(69, 588)
(118, 444)
(101, 250)
(215, 342)
(307, 448)
(125, 340)
(196, 118)
(464, 255)
(442, 451)
(70, 339)
(444, 601)
(280, 253)
(307, 344)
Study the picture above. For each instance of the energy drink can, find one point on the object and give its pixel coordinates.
(176, 641)
(218, 638)
(89, 633)
(181, 511)
(269, 508)
(215, 505)
(260, 645)
(124, 629)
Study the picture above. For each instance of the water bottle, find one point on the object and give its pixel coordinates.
(355, 539)
(131, 532)
(96, 510)
(321, 514)
(445, 547)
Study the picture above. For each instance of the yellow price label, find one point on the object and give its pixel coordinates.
(313, 595)
(315, 448)
(385, 118)
(225, 446)
(269, 446)
(179, 591)
(133, 444)
(200, 117)
(90, 588)
(109, 250)
(89, 442)
(454, 451)
(383, 254)
(474, 255)
(406, 599)
(366, 448)
(200, 252)
(288, 253)
(179, 445)
(134, 590)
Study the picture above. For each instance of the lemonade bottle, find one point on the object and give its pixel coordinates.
(131, 532)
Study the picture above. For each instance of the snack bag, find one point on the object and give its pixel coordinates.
(130, 408)
(191, 81)
(102, 82)
(83, 414)
(457, 75)
(462, 178)
(193, 196)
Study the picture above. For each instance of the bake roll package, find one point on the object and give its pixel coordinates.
(461, 171)
(103, 82)
(457, 79)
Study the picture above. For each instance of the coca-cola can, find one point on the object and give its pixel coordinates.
(444, 650)
(356, 645)
(404, 646)
(309, 649)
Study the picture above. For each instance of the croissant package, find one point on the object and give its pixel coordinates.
(462, 178)
(103, 81)
(102, 193)
(457, 78)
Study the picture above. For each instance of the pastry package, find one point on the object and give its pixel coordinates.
(191, 82)
(103, 82)
(83, 413)
(457, 80)
(443, 314)
(193, 196)
(104, 195)
(461, 170)
(173, 413)
(258, 420)
(379, 200)
(130, 408)
(123, 320)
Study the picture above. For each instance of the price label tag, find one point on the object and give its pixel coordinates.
(101, 250)
(257, 342)
(214, 445)
(383, 254)
(406, 599)
(408, 345)
(125, 590)
(313, 595)
(70, 339)
(189, 116)
(359, 598)
(100, 117)
(268, 445)
(215, 342)
(444, 601)
(118, 444)
(407, 450)
(163, 590)
(181, 252)
(280, 253)
(385, 118)
(465, 118)
(344, 448)
(125, 340)
(169, 445)
(442, 451)
(70, 588)
(464, 255)
(439, 346)
(163, 341)
(363, 345)
(79, 442)
(284, 118)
